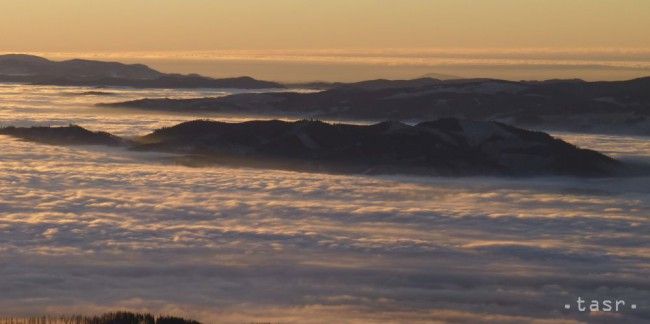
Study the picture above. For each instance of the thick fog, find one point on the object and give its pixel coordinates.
(90, 229)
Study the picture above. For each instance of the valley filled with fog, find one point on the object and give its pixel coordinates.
(91, 229)
(27, 105)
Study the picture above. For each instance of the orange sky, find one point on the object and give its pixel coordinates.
(298, 40)
(144, 25)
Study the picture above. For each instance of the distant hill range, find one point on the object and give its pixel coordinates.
(449, 147)
(441, 76)
(570, 105)
(37, 70)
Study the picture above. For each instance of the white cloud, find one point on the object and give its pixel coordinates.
(103, 229)
(87, 229)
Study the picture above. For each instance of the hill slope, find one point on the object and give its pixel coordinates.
(441, 147)
(570, 105)
(38, 70)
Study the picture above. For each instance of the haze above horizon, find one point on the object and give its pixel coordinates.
(337, 40)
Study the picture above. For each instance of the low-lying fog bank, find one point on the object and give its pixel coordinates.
(86, 229)
(94, 229)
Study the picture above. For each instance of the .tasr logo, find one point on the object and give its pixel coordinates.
(604, 305)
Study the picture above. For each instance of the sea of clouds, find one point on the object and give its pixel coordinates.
(90, 229)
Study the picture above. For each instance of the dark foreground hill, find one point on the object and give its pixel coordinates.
(71, 135)
(570, 105)
(37, 70)
(108, 318)
(442, 147)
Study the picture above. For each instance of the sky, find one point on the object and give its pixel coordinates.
(134, 29)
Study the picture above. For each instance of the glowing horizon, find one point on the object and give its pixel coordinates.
(301, 65)
(73, 25)
(338, 40)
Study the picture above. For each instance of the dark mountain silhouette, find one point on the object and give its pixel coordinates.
(38, 70)
(442, 147)
(70, 135)
(440, 76)
(384, 84)
(90, 93)
(572, 105)
(28, 65)
(431, 78)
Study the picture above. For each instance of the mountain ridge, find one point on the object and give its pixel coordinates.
(37, 70)
(565, 105)
(443, 147)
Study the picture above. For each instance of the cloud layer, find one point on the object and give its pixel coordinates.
(86, 229)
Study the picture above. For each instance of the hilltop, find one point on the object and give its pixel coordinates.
(449, 147)
(76, 72)
(567, 105)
